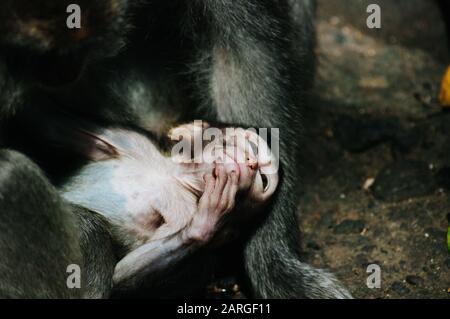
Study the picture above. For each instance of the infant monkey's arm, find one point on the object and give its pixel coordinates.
(217, 200)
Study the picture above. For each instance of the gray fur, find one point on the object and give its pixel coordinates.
(244, 62)
(41, 236)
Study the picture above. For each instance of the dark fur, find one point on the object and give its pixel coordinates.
(38, 240)
(243, 62)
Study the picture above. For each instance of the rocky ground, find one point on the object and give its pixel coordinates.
(376, 160)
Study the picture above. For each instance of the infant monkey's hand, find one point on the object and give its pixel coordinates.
(235, 161)
(218, 200)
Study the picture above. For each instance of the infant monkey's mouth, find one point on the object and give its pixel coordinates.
(250, 170)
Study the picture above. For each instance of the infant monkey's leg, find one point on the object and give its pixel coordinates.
(217, 200)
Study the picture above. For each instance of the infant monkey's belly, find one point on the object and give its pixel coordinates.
(143, 227)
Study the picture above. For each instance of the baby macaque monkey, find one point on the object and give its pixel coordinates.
(165, 206)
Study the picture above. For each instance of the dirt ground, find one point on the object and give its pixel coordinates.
(376, 161)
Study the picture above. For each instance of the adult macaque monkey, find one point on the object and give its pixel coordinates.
(150, 64)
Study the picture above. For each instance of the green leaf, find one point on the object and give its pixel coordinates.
(448, 239)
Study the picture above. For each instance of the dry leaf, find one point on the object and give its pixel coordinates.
(368, 183)
(444, 96)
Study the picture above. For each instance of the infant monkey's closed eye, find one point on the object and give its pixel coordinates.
(167, 206)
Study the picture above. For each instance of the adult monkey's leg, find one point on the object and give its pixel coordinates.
(40, 236)
(37, 240)
(249, 75)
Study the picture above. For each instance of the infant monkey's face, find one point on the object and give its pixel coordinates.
(237, 151)
(133, 182)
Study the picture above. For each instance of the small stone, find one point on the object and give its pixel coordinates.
(404, 180)
(447, 263)
(400, 288)
(362, 133)
(350, 227)
(362, 260)
(368, 183)
(405, 140)
(369, 248)
(313, 245)
(363, 241)
(443, 178)
(327, 220)
(436, 234)
(415, 280)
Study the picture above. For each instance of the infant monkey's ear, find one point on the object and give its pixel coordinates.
(75, 135)
(92, 146)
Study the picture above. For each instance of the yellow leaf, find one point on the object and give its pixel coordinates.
(444, 96)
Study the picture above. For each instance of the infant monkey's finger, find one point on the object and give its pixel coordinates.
(222, 178)
(221, 181)
(224, 198)
(234, 185)
(230, 192)
(210, 183)
(204, 200)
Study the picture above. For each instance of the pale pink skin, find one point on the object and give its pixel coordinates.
(169, 206)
